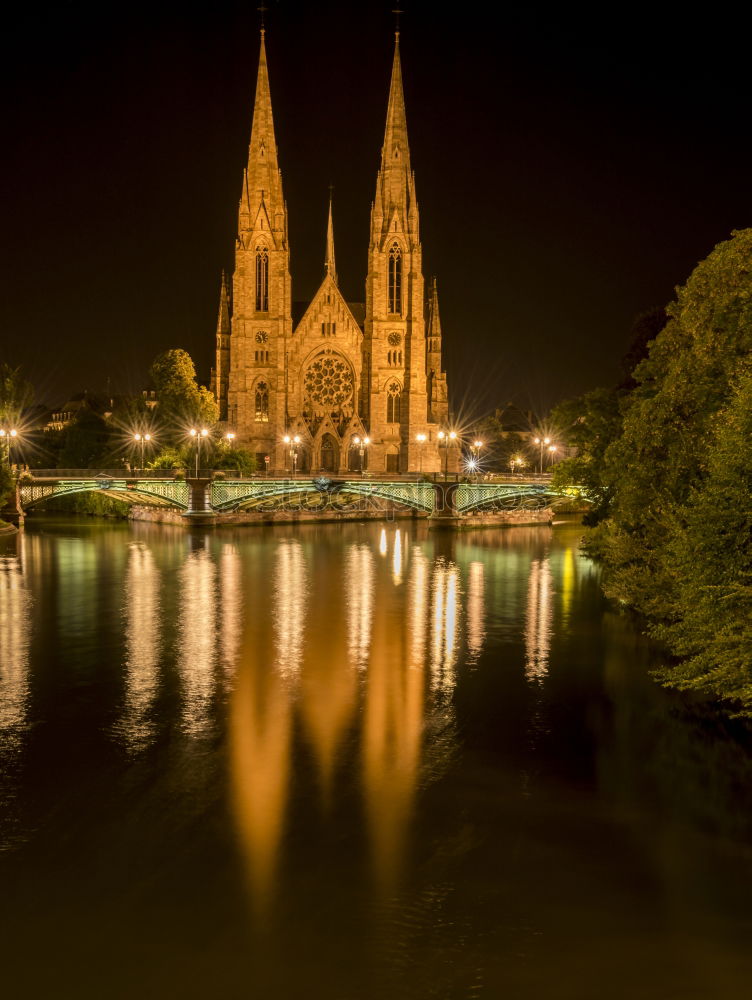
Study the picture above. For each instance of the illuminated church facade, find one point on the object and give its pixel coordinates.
(340, 373)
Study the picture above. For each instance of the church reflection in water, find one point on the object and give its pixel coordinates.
(364, 681)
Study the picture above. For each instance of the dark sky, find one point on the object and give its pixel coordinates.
(570, 172)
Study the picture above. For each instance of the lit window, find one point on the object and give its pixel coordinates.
(393, 403)
(262, 402)
(262, 279)
(395, 279)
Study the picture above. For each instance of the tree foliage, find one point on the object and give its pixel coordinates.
(589, 424)
(675, 477)
(182, 402)
(16, 394)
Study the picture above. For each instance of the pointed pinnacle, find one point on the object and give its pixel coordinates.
(331, 267)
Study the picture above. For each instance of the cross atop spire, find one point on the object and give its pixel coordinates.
(331, 267)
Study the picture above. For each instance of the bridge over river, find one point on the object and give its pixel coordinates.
(212, 496)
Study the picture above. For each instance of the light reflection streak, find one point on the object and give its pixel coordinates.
(15, 637)
(568, 577)
(397, 557)
(358, 598)
(141, 613)
(538, 620)
(382, 542)
(446, 608)
(476, 632)
(290, 603)
(197, 631)
(418, 609)
(231, 609)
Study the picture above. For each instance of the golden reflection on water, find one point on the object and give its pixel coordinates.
(475, 610)
(568, 576)
(197, 647)
(446, 611)
(15, 637)
(397, 557)
(538, 620)
(260, 745)
(230, 608)
(393, 719)
(393, 647)
(290, 606)
(358, 599)
(142, 619)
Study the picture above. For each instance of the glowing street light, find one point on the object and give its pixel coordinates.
(142, 439)
(542, 442)
(362, 444)
(293, 443)
(552, 449)
(8, 437)
(198, 435)
(229, 437)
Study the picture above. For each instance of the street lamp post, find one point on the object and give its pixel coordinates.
(542, 442)
(551, 454)
(444, 440)
(142, 439)
(293, 442)
(362, 444)
(198, 435)
(8, 437)
(229, 437)
(421, 439)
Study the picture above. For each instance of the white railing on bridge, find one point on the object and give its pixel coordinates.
(407, 477)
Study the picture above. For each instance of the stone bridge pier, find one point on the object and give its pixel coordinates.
(12, 511)
(200, 510)
(445, 513)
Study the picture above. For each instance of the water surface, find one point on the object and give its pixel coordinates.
(353, 761)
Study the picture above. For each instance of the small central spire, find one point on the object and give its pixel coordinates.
(331, 267)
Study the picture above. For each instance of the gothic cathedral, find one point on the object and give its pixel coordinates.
(340, 373)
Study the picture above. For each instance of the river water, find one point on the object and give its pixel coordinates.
(353, 761)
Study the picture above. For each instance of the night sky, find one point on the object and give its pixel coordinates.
(570, 172)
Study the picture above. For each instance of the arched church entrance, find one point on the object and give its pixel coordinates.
(392, 458)
(329, 454)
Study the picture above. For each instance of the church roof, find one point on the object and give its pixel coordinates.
(358, 309)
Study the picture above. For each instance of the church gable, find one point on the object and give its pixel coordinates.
(329, 318)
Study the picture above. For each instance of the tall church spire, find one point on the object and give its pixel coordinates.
(262, 183)
(395, 185)
(331, 267)
(395, 135)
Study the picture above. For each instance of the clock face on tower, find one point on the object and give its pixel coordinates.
(394, 339)
(261, 337)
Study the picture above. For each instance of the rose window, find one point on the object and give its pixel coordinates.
(329, 383)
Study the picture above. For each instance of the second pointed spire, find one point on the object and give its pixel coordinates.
(331, 267)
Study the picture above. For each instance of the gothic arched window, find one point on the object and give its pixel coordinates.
(262, 279)
(395, 279)
(262, 402)
(393, 403)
